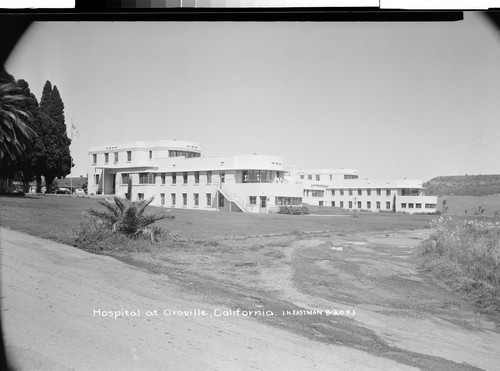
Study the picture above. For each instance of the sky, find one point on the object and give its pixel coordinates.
(392, 100)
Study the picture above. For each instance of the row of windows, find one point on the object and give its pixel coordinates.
(150, 178)
(173, 199)
(418, 206)
(350, 192)
(318, 177)
(116, 157)
(359, 205)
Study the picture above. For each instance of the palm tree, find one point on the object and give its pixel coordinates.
(127, 217)
(15, 134)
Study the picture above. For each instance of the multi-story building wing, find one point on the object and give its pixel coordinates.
(343, 188)
(177, 176)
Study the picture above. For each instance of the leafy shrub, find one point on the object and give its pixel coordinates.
(467, 254)
(293, 210)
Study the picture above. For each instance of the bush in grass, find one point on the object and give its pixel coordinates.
(293, 210)
(467, 255)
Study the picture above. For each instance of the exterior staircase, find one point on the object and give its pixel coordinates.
(233, 197)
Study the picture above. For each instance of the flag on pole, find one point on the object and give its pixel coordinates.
(73, 129)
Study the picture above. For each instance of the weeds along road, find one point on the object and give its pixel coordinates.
(52, 294)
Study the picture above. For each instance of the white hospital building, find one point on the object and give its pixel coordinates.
(177, 176)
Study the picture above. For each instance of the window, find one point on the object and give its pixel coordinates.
(316, 193)
(150, 155)
(333, 202)
(359, 204)
(360, 192)
(410, 206)
(162, 199)
(162, 178)
(253, 200)
(116, 157)
(96, 179)
(263, 200)
(302, 177)
(430, 206)
(388, 205)
(342, 204)
(196, 199)
(221, 200)
(174, 178)
(331, 176)
(403, 206)
(350, 176)
(209, 199)
(106, 158)
(378, 205)
(172, 198)
(341, 192)
(309, 177)
(186, 154)
(196, 177)
(379, 191)
(140, 196)
(368, 204)
(321, 203)
(222, 177)
(410, 192)
(388, 192)
(184, 199)
(333, 192)
(125, 178)
(350, 204)
(209, 177)
(368, 192)
(94, 158)
(147, 178)
(185, 177)
(317, 178)
(418, 206)
(129, 156)
(350, 192)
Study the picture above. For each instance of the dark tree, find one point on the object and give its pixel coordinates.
(53, 158)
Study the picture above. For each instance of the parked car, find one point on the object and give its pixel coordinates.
(63, 191)
(79, 192)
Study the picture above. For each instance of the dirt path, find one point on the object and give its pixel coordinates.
(50, 294)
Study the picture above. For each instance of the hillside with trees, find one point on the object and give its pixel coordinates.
(464, 185)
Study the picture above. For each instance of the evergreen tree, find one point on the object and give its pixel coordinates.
(54, 159)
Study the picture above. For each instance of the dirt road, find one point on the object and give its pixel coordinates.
(54, 298)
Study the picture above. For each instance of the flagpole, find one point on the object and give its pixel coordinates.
(71, 162)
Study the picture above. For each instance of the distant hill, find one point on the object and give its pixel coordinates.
(464, 185)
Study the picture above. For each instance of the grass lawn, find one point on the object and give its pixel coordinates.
(56, 217)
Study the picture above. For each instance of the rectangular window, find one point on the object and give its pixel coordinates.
(209, 177)
(418, 206)
(341, 192)
(94, 158)
(350, 192)
(388, 205)
(196, 177)
(403, 206)
(350, 204)
(302, 177)
(174, 178)
(96, 179)
(221, 200)
(369, 192)
(378, 205)
(379, 191)
(253, 200)
(360, 192)
(150, 155)
(140, 196)
(410, 206)
(163, 178)
(359, 204)
(209, 199)
(333, 192)
(309, 177)
(430, 206)
(342, 204)
(317, 178)
(129, 156)
(196, 199)
(368, 204)
(321, 203)
(125, 178)
(185, 177)
(331, 176)
(172, 198)
(116, 157)
(184, 199)
(162, 199)
(316, 193)
(333, 203)
(388, 192)
(147, 178)
(106, 158)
